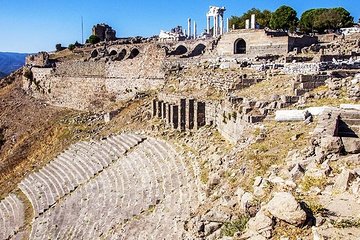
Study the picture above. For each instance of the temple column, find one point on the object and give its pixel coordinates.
(221, 24)
(207, 24)
(195, 29)
(214, 27)
(189, 27)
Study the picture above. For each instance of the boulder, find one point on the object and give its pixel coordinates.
(211, 228)
(297, 172)
(343, 181)
(246, 200)
(284, 207)
(331, 144)
(351, 145)
(261, 224)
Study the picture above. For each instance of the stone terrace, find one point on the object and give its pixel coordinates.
(124, 186)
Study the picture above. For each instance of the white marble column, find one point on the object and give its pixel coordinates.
(216, 22)
(207, 24)
(227, 25)
(195, 29)
(221, 24)
(247, 24)
(253, 21)
(189, 27)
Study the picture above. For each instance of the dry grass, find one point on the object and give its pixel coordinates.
(332, 102)
(279, 84)
(273, 149)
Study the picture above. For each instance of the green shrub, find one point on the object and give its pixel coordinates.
(71, 47)
(239, 225)
(93, 39)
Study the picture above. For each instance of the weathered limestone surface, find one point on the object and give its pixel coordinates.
(291, 115)
(102, 190)
(284, 206)
(11, 215)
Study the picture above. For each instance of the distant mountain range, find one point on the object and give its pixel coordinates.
(10, 62)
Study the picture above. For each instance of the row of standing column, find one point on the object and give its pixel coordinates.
(218, 30)
(188, 114)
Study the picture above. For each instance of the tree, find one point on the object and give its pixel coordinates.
(71, 47)
(262, 18)
(93, 39)
(322, 19)
(58, 47)
(284, 18)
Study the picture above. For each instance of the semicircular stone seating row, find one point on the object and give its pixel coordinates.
(75, 166)
(11, 216)
(150, 183)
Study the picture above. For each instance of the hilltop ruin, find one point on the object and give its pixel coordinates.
(236, 134)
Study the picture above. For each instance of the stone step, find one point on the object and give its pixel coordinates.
(120, 139)
(86, 166)
(78, 172)
(92, 160)
(351, 122)
(350, 115)
(63, 168)
(12, 216)
(30, 194)
(57, 180)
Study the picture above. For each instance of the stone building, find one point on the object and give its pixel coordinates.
(104, 32)
(259, 42)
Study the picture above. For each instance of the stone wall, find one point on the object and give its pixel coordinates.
(301, 68)
(80, 69)
(92, 85)
(257, 43)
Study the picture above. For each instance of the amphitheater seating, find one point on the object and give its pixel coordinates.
(11, 216)
(146, 191)
(75, 166)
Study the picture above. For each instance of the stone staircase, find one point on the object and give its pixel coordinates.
(121, 187)
(73, 167)
(349, 124)
(11, 216)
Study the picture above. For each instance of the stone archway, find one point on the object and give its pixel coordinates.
(180, 50)
(122, 54)
(198, 50)
(240, 46)
(113, 52)
(134, 52)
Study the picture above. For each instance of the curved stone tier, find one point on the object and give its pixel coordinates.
(11, 215)
(146, 194)
(75, 166)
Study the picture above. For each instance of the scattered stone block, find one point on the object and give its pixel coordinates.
(343, 180)
(261, 224)
(350, 106)
(351, 145)
(316, 111)
(330, 145)
(284, 207)
(291, 115)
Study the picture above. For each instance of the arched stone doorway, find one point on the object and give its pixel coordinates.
(134, 52)
(198, 50)
(240, 46)
(180, 50)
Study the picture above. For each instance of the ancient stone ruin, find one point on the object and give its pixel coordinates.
(239, 134)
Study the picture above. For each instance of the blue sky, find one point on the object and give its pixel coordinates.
(35, 25)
